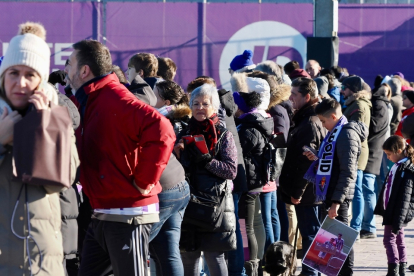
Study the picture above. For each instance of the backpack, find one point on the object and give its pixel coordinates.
(272, 159)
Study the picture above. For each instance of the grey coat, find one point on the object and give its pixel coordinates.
(345, 166)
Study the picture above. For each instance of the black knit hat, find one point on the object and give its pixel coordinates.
(410, 95)
(353, 83)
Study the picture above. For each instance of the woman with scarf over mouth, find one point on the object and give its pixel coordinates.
(208, 173)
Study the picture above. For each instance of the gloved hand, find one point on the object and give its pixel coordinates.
(198, 157)
(57, 77)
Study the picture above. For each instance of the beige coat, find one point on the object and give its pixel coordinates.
(45, 223)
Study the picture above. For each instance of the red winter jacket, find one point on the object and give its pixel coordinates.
(123, 139)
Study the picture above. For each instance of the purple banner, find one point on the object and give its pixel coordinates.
(203, 38)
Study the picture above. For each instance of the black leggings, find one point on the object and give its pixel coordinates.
(250, 203)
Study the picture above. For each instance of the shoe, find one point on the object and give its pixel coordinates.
(252, 267)
(364, 234)
(393, 270)
(403, 268)
(411, 267)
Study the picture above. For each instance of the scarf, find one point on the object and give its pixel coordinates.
(319, 173)
(207, 128)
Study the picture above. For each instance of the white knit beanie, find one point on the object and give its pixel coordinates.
(29, 50)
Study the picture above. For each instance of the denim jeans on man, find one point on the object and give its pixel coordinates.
(370, 200)
(270, 217)
(308, 223)
(358, 203)
(236, 257)
(165, 234)
(283, 219)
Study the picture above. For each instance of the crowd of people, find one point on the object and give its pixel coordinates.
(164, 172)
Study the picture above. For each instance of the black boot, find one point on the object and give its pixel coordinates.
(393, 270)
(403, 268)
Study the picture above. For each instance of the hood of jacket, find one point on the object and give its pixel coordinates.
(238, 82)
(257, 121)
(180, 112)
(143, 91)
(361, 95)
(380, 95)
(227, 102)
(281, 94)
(360, 129)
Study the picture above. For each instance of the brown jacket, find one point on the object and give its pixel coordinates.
(45, 222)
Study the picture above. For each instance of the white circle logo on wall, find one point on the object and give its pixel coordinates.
(263, 36)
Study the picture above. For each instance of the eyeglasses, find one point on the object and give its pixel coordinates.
(343, 87)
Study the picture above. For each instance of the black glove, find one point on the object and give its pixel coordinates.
(198, 157)
(57, 77)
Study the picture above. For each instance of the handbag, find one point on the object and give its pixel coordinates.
(205, 210)
(42, 147)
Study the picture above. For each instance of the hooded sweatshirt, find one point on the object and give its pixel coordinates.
(359, 109)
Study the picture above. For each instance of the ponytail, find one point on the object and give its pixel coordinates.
(395, 143)
(409, 152)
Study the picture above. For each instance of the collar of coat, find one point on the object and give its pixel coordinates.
(361, 95)
(306, 111)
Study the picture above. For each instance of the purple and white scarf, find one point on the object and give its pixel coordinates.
(319, 173)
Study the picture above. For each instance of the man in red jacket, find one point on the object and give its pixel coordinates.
(124, 146)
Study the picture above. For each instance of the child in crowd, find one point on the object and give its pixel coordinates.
(395, 202)
(280, 259)
(335, 170)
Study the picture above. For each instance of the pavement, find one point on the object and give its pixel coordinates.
(370, 257)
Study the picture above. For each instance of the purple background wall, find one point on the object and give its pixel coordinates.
(374, 39)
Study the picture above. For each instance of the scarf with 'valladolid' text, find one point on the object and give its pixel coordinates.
(319, 173)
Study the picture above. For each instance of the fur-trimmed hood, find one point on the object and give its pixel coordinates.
(241, 83)
(361, 95)
(281, 94)
(238, 82)
(180, 112)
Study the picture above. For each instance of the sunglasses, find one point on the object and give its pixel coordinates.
(343, 87)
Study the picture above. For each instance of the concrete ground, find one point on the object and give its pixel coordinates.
(370, 257)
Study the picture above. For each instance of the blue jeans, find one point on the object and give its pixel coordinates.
(236, 257)
(283, 218)
(370, 200)
(215, 261)
(270, 218)
(358, 203)
(308, 223)
(165, 234)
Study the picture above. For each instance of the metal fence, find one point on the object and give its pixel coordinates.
(368, 2)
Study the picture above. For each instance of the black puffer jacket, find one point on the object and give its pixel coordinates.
(306, 131)
(251, 128)
(400, 208)
(378, 130)
(345, 165)
(227, 101)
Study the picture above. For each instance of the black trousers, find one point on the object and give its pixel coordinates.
(114, 246)
(347, 268)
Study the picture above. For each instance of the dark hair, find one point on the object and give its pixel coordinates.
(146, 62)
(412, 84)
(251, 99)
(169, 90)
(166, 68)
(291, 66)
(95, 55)
(337, 71)
(118, 72)
(280, 259)
(306, 86)
(327, 107)
(331, 81)
(199, 81)
(395, 143)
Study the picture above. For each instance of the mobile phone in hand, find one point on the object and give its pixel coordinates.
(309, 149)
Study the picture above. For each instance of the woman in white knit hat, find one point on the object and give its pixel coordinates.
(23, 75)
